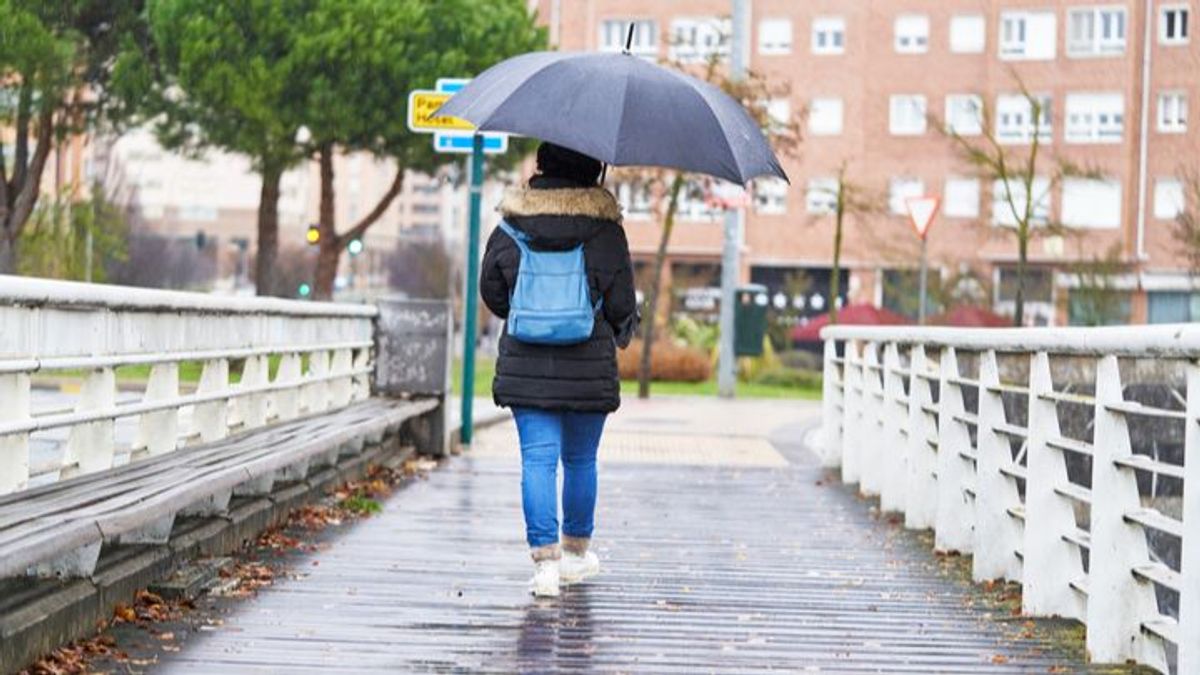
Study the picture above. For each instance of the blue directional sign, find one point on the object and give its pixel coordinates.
(460, 142)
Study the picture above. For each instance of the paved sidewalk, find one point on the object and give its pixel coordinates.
(747, 561)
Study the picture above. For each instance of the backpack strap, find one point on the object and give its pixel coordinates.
(519, 238)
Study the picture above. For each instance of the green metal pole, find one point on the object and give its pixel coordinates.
(471, 296)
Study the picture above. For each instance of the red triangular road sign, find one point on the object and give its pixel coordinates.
(921, 211)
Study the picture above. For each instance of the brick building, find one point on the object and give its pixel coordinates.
(868, 77)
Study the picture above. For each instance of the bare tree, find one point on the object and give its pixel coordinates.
(1024, 172)
(754, 92)
(842, 199)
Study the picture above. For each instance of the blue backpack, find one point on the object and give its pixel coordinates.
(551, 302)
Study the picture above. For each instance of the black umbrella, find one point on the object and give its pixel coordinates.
(619, 109)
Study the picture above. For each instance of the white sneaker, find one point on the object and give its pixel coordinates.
(544, 583)
(576, 568)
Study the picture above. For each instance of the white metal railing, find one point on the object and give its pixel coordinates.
(63, 411)
(1035, 451)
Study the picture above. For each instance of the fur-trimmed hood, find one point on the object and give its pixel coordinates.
(586, 202)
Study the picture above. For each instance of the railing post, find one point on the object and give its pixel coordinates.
(342, 386)
(871, 448)
(14, 448)
(832, 411)
(287, 401)
(1050, 563)
(1117, 601)
(895, 430)
(210, 421)
(361, 388)
(1189, 597)
(997, 535)
(252, 408)
(852, 402)
(158, 432)
(90, 445)
(953, 521)
(921, 494)
(317, 393)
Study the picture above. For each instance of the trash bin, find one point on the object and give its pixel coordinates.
(750, 320)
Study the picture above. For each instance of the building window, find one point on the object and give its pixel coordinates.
(821, 196)
(634, 198)
(1173, 24)
(962, 198)
(1091, 203)
(1027, 36)
(1095, 31)
(1098, 307)
(964, 114)
(1095, 118)
(698, 39)
(1039, 293)
(1015, 121)
(645, 36)
(968, 34)
(907, 115)
(912, 34)
(775, 37)
(1172, 112)
(770, 196)
(900, 190)
(1172, 307)
(825, 117)
(829, 35)
(1003, 211)
(1168, 198)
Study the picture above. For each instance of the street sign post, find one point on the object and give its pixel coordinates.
(921, 212)
(457, 135)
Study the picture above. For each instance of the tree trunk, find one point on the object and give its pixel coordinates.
(660, 257)
(1019, 305)
(8, 253)
(268, 232)
(835, 279)
(330, 251)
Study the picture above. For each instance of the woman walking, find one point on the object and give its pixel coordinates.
(558, 271)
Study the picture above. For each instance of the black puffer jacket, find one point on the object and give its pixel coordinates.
(558, 215)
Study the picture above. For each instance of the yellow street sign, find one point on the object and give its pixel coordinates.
(422, 103)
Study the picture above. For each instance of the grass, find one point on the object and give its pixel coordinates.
(189, 371)
(485, 371)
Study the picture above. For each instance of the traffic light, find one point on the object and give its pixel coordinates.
(305, 290)
(313, 236)
(355, 246)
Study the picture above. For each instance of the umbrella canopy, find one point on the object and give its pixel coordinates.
(860, 314)
(620, 109)
(970, 316)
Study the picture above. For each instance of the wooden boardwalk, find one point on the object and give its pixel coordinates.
(748, 563)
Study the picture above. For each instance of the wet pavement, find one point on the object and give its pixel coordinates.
(747, 559)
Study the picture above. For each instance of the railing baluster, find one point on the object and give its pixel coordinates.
(210, 421)
(158, 432)
(14, 448)
(953, 523)
(252, 409)
(1117, 601)
(341, 387)
(316, 394)
(1051, 563)
(1189, 598)
(90, 445)
(895, 423)
(287, 401)
(997, 534)
(872, 451)
(852, 414)
(921, 493)
(361, 383)
(832, 413)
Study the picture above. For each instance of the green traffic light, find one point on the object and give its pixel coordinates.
(305, 290)
(355, 246)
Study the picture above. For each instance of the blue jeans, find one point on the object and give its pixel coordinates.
(547, 436)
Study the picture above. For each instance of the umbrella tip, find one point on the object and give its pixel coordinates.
(629, 38)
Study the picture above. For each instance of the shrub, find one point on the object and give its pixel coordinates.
(669, 362)
(788, 377)
(802, 359)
